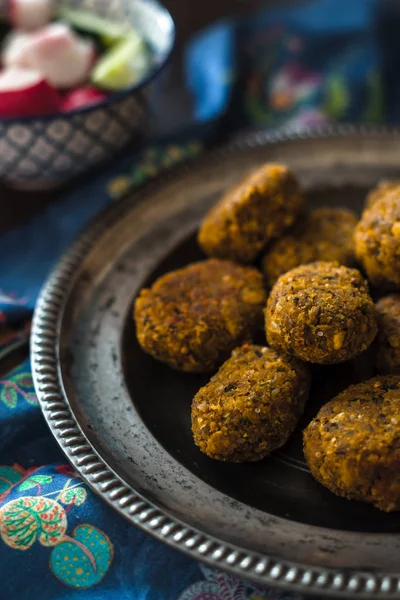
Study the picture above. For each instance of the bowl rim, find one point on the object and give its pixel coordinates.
(114, 96)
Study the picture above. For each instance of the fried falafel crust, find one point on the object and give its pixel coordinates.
(193, 317)
(377, 241)
(352, 447)
(388, 341)
(325, 234)
(380, 190)
(251, 406)
(321, 313)
(251, 213)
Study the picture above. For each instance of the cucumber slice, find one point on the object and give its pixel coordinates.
(109, 32)
(123, 65)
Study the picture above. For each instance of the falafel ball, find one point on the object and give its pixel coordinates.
(251, 213)
(377, 241)
(321, 313)
(251, 406)
(352, 446)
(192, 318)
(324, 234)
(388, 352)
(380, 190)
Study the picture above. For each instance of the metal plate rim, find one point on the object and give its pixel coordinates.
(105, 481)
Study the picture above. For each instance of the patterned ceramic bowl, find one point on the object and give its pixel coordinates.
(43, 152)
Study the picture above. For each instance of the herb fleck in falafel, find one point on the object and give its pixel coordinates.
(251, 213)
(324, 234)
(251, 406)
(321, 313)
(353, 445)
(192, 318)
(377, 241)
(388, 351)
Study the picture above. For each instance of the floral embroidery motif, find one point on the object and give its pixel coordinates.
(18, 385)
(75, 496)
(9, 477)
(152, 162)
(83, 559)
(26, 519)
(35, 480)
(80, 560)
(12, 338)
(221, 586)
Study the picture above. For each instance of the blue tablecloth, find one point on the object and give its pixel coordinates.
(330, 60)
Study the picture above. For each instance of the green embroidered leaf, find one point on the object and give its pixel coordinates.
(75, 496)
(31, 398)
(336, 98)
(9, 396)
(8, 477)
(26, 485)
(24, 380)
(375, 108)
(26, 519)
(34, 480)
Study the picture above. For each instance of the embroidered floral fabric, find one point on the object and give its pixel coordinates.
(326, 61)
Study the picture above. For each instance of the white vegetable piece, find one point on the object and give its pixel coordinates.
(30, 14)
(63, 58)
(15, 47)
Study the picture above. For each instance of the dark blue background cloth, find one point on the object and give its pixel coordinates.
(331, 60)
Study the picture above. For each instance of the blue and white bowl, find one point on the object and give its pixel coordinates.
(43, 152)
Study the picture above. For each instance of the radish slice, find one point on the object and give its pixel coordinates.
(16, 46)
(30, 14)
(82, 97)
(62, 57)
(25, 93)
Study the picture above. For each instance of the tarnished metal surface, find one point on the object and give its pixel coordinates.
(123, 420)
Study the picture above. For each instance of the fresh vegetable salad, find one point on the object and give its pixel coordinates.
(58, 60)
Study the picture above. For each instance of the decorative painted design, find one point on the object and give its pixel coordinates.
(80, 560)
(31, 518)
(9, 477)
(375, 109)
(76, 496)
(11, 338)
(280, 96)
(152, 162)
(35, 480)
(84, 559)
(17, 385)
(221, 586)
(337, 97)
(217, 585)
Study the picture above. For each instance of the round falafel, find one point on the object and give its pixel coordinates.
(192, 318)
(321, 313)
(251, 406)
(380, 190)
(251, 213)
(324, 234)
(388, 340)
(377, 241)
(352, 446)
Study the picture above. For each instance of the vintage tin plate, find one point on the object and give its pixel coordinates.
(123, 420)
